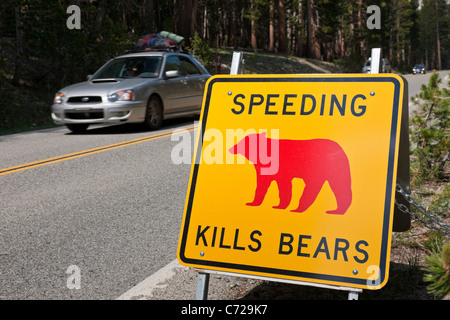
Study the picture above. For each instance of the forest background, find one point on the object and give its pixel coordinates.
(39, 54)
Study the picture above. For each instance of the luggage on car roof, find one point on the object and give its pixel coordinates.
(159, 41)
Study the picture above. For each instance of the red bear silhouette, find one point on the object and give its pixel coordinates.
(315, 161)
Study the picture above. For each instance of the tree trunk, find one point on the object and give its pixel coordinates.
(100, 18)
(184, 17)
(313, 44)
(360, 29)
(233, 28)
(397, 36)
(271, 27)
(205, 23)
(19, 48)
(299, 47)
(151, 16)
(438, 42)
(193, 26)
(282, 27)
(253, 41)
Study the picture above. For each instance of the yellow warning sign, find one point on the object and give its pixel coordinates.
(294, 178)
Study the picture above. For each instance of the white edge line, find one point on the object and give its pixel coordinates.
(144, 289)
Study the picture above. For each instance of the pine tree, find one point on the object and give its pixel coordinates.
(438, 271)
(430, 129)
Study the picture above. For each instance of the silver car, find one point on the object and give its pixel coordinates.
(384, 68)
(145, 87)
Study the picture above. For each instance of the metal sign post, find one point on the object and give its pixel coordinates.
(202, 286)
(237, 67)
(237, 64)
(402, 221)
(375, 62)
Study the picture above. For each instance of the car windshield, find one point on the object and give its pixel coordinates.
(419, 65)
(141, 67)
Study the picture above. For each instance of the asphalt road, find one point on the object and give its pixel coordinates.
(114, 214)
(106, 205)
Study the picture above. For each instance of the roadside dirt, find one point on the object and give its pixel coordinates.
(405, 277)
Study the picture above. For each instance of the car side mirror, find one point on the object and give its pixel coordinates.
(88, 77)
(172, 74)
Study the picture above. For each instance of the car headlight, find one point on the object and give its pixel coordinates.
(123, 95)
(58, 97)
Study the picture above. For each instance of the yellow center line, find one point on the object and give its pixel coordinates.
(89, 152)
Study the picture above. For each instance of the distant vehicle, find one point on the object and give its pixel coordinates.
(419, 68)
(384, 68)
(145, 87)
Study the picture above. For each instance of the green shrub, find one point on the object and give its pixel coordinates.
(200, 50)
(438, 271)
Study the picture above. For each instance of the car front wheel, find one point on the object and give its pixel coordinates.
(154, 114)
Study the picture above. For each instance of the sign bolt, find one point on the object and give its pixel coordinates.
(202, 254)
(230, 93)
(355, 272)
(372, 93)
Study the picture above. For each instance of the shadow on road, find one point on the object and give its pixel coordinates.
(129, 128)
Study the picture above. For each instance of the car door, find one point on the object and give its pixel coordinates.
(175, 89)
(196, 80)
